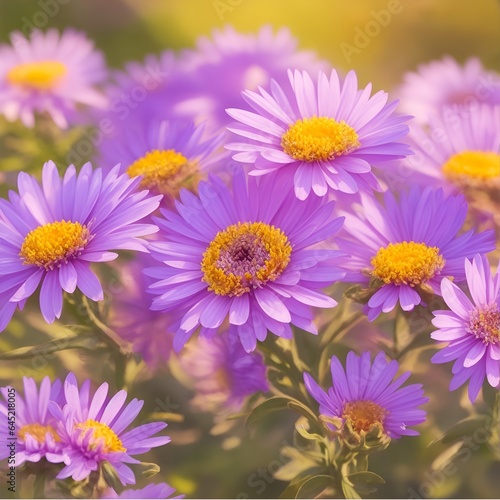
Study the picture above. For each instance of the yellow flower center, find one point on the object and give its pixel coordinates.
(407, 263)
(245, 256)
(157, 168)
(363, 415)
(38, 432)
(473, 166)
(484, 324)
(54, 243)
(319, 139)
(41, 75)
(103, 433)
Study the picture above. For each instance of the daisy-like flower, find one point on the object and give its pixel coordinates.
(245, 255)
(405, 248)
(131, 318)
(366, 397)
(445, 83)
(220, 67)
(52, 73)
(323, 137)
(471, 328)
(35, 427)
(93, 430)
(223, 374)
(160, 490)
(167, 155)
(50, 234)
(461, 151)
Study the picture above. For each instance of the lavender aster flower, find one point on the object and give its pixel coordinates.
(323, 137)
(222, 66)
(222, 372)
(49, 72)
(167, 155)
(160, 490)
(246, 255)
(50, 234)
(365, 396)
(445, 83)
(93, 430)
(35, 427)
(461, 151)
(471, 328)
(132, 319)
(405, 248)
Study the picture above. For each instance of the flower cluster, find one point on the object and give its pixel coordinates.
(246, 185)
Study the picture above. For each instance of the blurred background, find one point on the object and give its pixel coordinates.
(356, 35)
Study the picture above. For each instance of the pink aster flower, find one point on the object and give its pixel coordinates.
(223, 374)
(365, 395)
(93, 430)
(35, 433)
(324, 136)
(220, 67)
(445, 83)
(459, 150)
(131, 318)
(403, 248)
(50, 234)
(52, 73)
(471, 328)
(250, 256)
(167, 155)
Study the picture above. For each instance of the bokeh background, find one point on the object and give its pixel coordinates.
(198, 462)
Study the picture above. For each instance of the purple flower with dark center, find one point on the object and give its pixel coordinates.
(252, 256)
(93, 430)
(366, 395)
(50, 234)
(471, 328)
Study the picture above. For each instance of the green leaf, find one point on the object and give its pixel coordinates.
(81, 341)
(264, 409)
(363, 483)
(314, 486)
(465, 427)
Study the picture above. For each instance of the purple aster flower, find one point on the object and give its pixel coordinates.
(471, 328)
(323, 137)
(167, 155)
(93, 430)
(445, 83)
(131, 318)
(35, 427)
(52, 73)
(223, 374)
(460, 151)
(160, 490)
(365, 396)
(222, 66)
(250, 255)
(50, 234)
(405, 248)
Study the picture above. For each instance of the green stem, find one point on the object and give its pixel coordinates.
(336, 333)
(39, 485)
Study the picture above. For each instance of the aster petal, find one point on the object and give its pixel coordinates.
(88, 282)
(493, 371)
(475, 354)
(272, 305)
